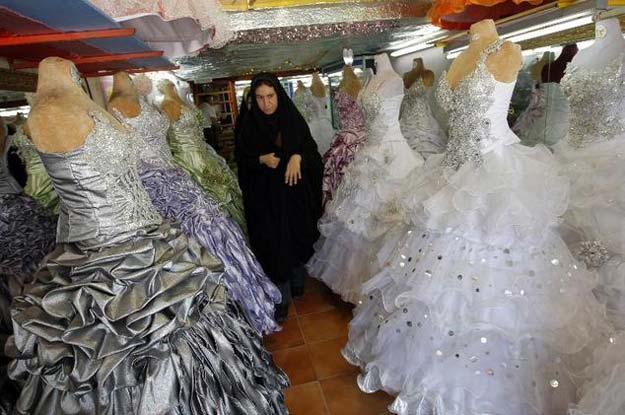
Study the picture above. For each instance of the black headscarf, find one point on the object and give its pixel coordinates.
(281, 219)
(295, 137)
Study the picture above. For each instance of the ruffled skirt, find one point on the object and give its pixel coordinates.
(179, 198)
(482, 309)
(140, 327)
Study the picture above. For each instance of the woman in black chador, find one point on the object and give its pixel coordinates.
(280, 174)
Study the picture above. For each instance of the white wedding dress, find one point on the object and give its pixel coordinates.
(594, 159)
(482, 309)
(417, 122)
(314, 112)
(364, 213)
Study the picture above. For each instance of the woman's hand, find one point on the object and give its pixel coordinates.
(270, 160)
(293, 170)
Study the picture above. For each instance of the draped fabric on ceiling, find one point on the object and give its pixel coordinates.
(460, 14)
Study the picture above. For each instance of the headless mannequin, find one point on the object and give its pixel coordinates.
(124, 98)
(417, 72)
(60, 120)
(503, 64)
(537, 68)
(172, 104)
(350, 84)
(300, 87)
(317, 87)
(385, 74)
(608, 45)
(555, 71)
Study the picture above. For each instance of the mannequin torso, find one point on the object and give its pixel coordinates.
(609, 45)
(172, 104)
(503, 65)
(417, 72)
(60, 119)
(350, 84)
(125, 98)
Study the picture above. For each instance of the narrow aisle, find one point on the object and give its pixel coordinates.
(308, 350)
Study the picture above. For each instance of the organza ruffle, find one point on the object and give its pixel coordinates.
(507, 322)
(510, 199)
(177, 197)
(140, 327)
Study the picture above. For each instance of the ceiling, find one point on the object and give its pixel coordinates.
(306, 37)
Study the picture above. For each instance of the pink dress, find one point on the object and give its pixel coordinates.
(345, 145)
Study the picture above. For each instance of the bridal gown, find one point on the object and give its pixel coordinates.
(364, 213)
(177, 197)
(546, 118)
(128, 315)
(482, 308)
(192, 154)
(314, 112)
(38, 183)
(593, 155)
(418, 124)
(346, 143)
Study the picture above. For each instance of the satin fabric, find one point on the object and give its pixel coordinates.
(38, 184)
(205, 166)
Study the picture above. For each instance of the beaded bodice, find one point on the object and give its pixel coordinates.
(349, 112)
(381, 115)
(478, 109)
(151, 128)
(8, 185)
(100, 190)
(597, 101)
(305, 103)
(417, 122)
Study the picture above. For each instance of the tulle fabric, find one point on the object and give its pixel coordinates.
(177, 197)
(545, 120)
(603, 395)
(483, 288)
(138, 327)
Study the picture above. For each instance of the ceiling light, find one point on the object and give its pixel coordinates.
(411, 49)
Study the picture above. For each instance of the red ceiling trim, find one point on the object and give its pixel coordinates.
(82, 60)
(65, 36)
(134, 70)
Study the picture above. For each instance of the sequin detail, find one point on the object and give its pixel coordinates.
(150, 127)
(593, 253)
(593, 119)
(466, 104)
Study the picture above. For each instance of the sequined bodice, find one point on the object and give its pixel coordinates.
(418, 124)
(101, 193)
(305, 103)
(381, 114)
(478, 109)
(8, 185)
(349, 112)
(597, 101)
(151, 128)
(186, 128)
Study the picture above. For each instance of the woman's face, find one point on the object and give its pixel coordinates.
(267, 99)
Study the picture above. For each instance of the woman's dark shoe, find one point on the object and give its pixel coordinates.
(281, 312)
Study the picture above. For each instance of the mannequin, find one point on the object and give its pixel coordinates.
(317, 87)
(418, 71)
(350, 84)
(608, 44)
(143, 84)
(504, 64)
(300, 87)
(555, 71)
(385, 74)
(124, 98)
(172, 104)
(537, 68)
(60, 120)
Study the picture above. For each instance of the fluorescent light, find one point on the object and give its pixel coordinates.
(544, 31)
(411, 49)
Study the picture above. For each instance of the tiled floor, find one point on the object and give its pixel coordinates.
(308, 350)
